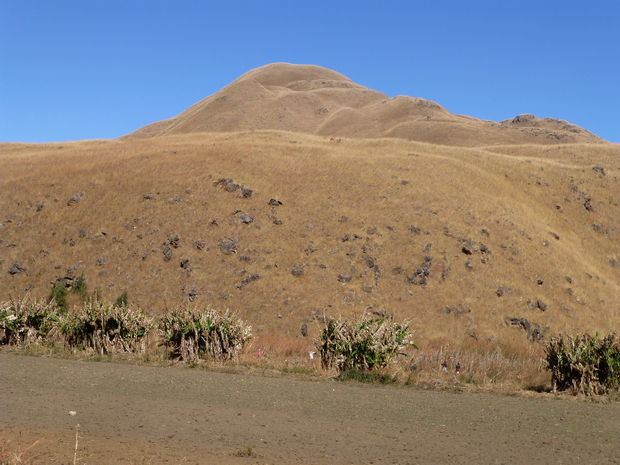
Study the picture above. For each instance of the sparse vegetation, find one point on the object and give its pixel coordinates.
(122, 300)
(107, 328)
(25, 321)
(58, 296)
(193, 334)
(364, 376)
(366, 344)
(584, 364)
(13, 451)
(81, 288)
(245, 452)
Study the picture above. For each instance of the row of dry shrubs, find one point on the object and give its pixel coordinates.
(581, 364)
(112, 329)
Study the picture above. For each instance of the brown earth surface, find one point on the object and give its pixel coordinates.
(147, 414)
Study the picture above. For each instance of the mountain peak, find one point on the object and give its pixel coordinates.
(314, 100)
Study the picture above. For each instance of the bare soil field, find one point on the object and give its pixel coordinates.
(148, 414)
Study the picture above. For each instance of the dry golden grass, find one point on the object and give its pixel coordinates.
(314, 100)
(505, 197)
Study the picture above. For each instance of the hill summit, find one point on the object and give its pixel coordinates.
(314, 100)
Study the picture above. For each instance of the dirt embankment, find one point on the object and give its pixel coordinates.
(145, 414)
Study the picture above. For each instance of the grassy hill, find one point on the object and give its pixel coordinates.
(456, 239)
(295, 193)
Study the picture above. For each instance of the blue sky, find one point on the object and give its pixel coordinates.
(90, 69)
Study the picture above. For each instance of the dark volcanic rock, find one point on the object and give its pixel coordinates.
(16, 268)
(344, 278)
(228, 246)
(167, 253)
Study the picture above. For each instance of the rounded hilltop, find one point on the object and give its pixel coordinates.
(314, 100)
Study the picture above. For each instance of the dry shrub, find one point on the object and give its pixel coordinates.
(13, 451)
(196, 334)
(584, 364)
(107, 329)
(26, 321)
(366, 344)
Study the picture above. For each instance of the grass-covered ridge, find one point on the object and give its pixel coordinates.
(482, 245)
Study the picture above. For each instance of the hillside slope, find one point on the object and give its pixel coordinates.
(286, 227)
(314, 100)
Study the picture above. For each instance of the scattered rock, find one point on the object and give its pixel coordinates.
(184, 263)
(101, 261)
(228, 246)
(39, 207)
(367, 289)
(381, 312)
(541, 305)
(274, 202)
(535, 332)
(16, 268)
(297, 271)
(503, 290)
(516, 321)
(344, 278)
(613, 262)
(249, 279)
(245, 192)
(599, 169)
(468, 249)
(173, 240)
(304, 330)
(75, 199)
(148, 196)
(198, 245)
(588, 206)
(167, 253)
(421, 274)
(192, 294)
(246, 218)
(457, 311)
(555, 236)
(414, 230)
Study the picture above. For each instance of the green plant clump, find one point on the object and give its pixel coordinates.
(27, 322)
(81, 288)
(107, 329)
(366, 345)
(193, 335)
(585, 364)
(58, 296)
(122, 300)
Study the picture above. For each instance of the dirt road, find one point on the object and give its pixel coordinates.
(144, 414)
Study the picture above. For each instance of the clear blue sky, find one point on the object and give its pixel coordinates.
(86, 69)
